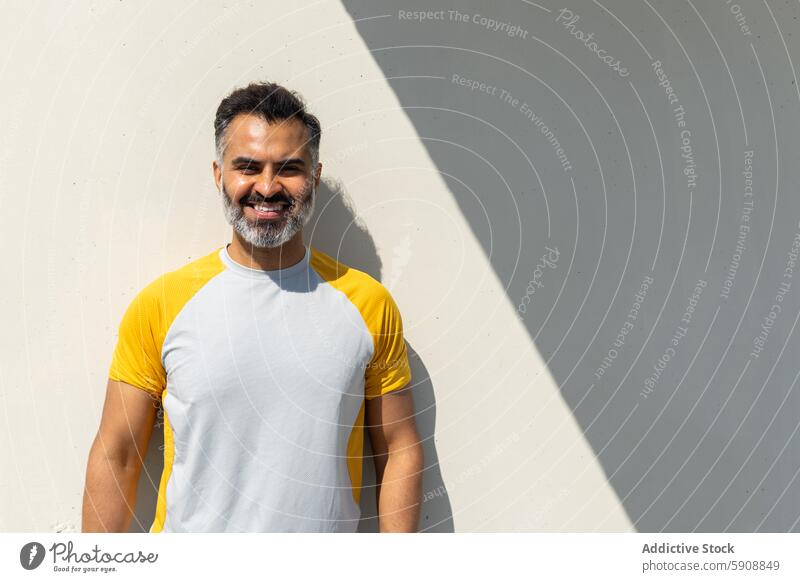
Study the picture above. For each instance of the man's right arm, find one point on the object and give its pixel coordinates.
(116, 456)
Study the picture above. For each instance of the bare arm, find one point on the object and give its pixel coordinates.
(116, 456)
(398, 460)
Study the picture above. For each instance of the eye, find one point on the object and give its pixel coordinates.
(248, 170)
(290, 169)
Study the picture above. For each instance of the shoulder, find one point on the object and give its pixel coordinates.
(199, 270)
(376, 305)
(360, 287)
(173, 289)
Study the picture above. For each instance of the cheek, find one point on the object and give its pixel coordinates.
(298, 186)
(238, 187)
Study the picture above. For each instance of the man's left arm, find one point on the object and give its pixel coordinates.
(398, 460)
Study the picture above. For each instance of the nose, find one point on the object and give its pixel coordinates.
(267, 185)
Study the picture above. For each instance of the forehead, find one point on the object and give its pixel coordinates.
(252, 136)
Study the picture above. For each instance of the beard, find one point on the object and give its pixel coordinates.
(269, 234)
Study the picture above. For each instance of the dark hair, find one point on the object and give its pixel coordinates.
(273, 103)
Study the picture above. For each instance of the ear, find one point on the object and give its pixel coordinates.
(317, 175)
(217, 174)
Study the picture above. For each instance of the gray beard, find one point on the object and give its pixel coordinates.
(269, 234)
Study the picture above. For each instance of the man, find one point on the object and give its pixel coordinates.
(268, 357)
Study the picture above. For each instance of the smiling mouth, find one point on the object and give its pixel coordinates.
(269, 209)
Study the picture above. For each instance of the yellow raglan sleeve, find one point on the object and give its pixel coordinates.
(137, 356)
(389, 369)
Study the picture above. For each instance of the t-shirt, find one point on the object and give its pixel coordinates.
(263, 377)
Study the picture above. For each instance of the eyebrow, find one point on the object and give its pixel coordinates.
(244, 160)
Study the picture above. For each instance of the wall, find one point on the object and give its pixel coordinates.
(521, 225)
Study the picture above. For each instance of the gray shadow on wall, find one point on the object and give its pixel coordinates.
(695, 453)
(335, 231)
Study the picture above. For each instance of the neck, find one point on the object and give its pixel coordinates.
(267, 259)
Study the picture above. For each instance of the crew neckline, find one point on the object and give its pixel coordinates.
(290, 271)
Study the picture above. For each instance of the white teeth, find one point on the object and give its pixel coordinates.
(277, 208)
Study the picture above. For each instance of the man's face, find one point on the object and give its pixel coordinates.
(266, 179)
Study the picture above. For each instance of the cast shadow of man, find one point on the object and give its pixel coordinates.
(335, 230)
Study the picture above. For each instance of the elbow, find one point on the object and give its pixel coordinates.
(122, 456)
(409, 455)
